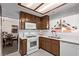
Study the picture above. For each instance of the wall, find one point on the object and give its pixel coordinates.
(72, 20)
(69, 12)
(10, 16)
(7, 24)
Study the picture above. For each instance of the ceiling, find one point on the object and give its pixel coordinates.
(41, 8)
(65, 10)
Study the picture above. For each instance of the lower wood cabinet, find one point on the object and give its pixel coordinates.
(42, 43)
(55, 47)
(50, 45)
(23, 47)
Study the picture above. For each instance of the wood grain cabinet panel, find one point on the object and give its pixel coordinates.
(38, 23)
(50, 45)
(23, 47)
(45, 22)
(41, 22)
(22, 20)
(27, 19)
(42, 43)
(55, 47)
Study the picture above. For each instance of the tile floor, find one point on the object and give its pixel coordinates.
(40, 52)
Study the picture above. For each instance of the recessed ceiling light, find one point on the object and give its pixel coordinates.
(30, 4)
(48, 5)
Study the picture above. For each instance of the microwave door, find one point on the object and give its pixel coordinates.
(30, 25)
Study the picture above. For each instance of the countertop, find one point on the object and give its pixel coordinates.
(72, 40)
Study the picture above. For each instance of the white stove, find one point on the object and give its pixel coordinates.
(32, 44)
(32, 41)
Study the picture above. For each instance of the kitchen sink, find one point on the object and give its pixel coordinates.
(54, 37)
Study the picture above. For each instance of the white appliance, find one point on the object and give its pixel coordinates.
(30, 25)
(32, 41)
(32, 44)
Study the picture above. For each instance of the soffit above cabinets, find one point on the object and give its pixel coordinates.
(41, 8)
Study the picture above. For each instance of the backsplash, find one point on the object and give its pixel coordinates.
(24, 33)
(45, 32)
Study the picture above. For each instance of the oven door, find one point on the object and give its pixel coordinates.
(32, 43)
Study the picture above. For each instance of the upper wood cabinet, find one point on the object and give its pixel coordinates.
(22, 20)
(37, 19)
(41, 22)
(44, 22)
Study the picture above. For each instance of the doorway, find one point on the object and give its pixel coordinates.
(8, 35)
(10, 40)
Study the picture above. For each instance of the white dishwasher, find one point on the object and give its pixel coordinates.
(68, 49)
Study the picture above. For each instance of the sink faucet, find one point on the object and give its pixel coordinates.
(54, 33)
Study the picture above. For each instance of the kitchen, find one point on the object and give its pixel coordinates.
(54, 29)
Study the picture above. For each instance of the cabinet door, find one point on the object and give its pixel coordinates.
(55, 47)
(45, 22)
(42, 42)
(48, 44)
(32, 18)
(23, 46)
(27, 17)
(38, 23)
(22, 20)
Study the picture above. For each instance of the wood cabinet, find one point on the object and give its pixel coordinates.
(50, 45)
(41, 22)
(38, 23)
(42, 43)
(55, 47)
(23, 47)
(22, 20)
(44, 22)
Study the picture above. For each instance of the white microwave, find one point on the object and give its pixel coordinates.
(29, 25)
